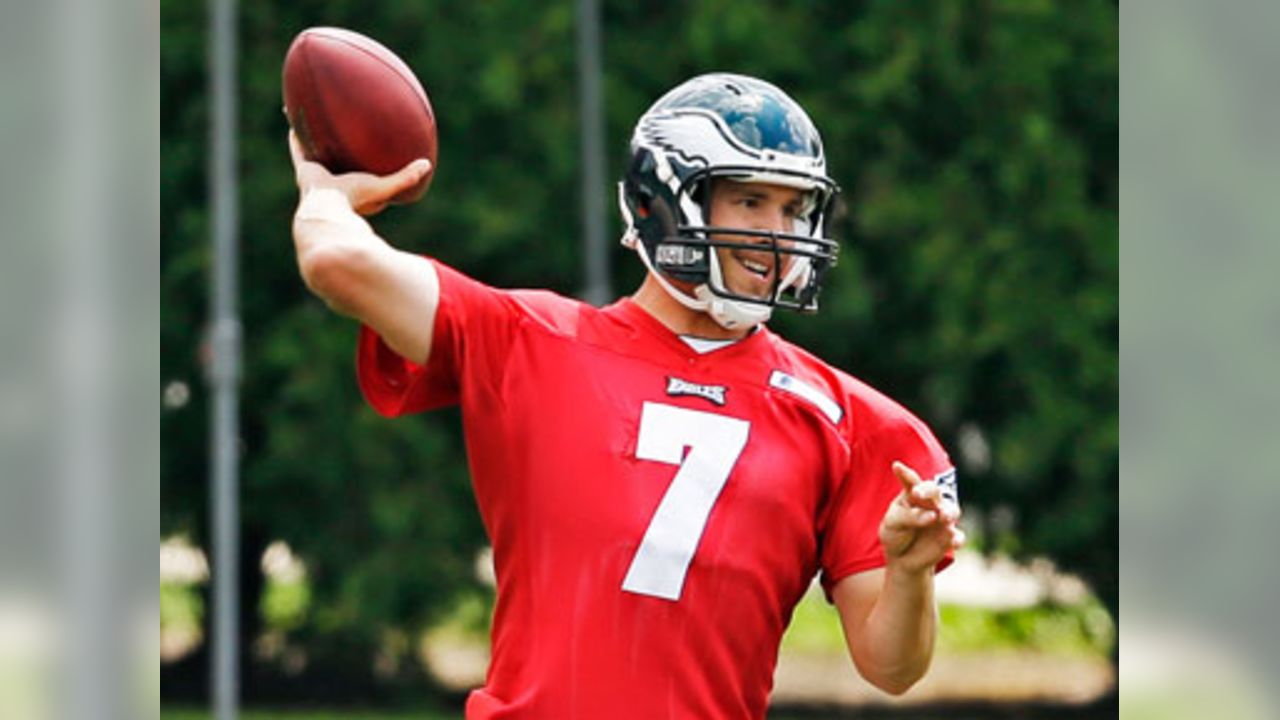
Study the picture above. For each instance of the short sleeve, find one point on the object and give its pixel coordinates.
(851, 538)
(473, 328)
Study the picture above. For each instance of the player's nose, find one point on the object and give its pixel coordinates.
(773, 219)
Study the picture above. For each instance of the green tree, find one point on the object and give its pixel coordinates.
(983, 159)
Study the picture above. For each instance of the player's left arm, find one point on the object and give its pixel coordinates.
(889, 615)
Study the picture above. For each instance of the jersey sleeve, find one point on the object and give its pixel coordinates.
(851, 538)
(473, 328)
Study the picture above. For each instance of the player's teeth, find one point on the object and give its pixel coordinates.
(756, 267)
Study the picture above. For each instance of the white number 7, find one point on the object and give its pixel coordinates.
(714, 442)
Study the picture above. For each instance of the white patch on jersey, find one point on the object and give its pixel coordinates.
(805, 391)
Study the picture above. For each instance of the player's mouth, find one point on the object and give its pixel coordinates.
(757, 275)
(755, 266)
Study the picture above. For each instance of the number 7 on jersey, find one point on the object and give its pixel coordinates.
(715, 442)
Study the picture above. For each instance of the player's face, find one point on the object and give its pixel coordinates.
(753, 206)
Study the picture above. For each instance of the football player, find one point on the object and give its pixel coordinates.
(661, 478)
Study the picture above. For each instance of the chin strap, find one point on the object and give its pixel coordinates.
(732, 314)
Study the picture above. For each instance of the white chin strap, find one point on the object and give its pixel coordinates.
(731, 314)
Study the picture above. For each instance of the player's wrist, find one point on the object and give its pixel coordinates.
(332, 210)
(323, 203)
(904, 572)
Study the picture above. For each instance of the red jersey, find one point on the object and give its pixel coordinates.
(655, 513)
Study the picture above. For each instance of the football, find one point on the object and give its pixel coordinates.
(356, 106)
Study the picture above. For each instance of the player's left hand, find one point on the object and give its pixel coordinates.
(919, 528)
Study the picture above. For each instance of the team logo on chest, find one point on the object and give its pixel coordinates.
(714, 393)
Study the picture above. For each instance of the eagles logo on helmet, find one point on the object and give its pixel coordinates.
(733, 127)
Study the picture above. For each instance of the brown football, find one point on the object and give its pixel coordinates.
(356, 106)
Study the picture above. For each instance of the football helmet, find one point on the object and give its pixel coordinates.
(733, 127)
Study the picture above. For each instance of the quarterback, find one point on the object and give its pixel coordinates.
(661, 478)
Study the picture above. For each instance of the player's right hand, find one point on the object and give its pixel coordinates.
(367, 193)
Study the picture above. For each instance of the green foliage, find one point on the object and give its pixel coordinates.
(284, 604)
(469, 621)
(180, 607)
(977, 146)
(815, 627)
(1084, 629)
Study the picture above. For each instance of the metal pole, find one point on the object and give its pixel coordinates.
(591, 119)
(224, 370)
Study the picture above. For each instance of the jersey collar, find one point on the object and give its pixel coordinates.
(640, 318)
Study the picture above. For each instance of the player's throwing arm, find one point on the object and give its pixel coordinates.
(381, 139)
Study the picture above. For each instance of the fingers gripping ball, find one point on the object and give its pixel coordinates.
(355, 106)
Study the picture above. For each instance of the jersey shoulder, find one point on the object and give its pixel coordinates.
(480, 307)
(551, 311)
(576, 321)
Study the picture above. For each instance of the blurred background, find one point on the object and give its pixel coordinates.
(977, 145)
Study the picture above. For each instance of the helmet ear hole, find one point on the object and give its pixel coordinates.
(644, 201)
(700, 192)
